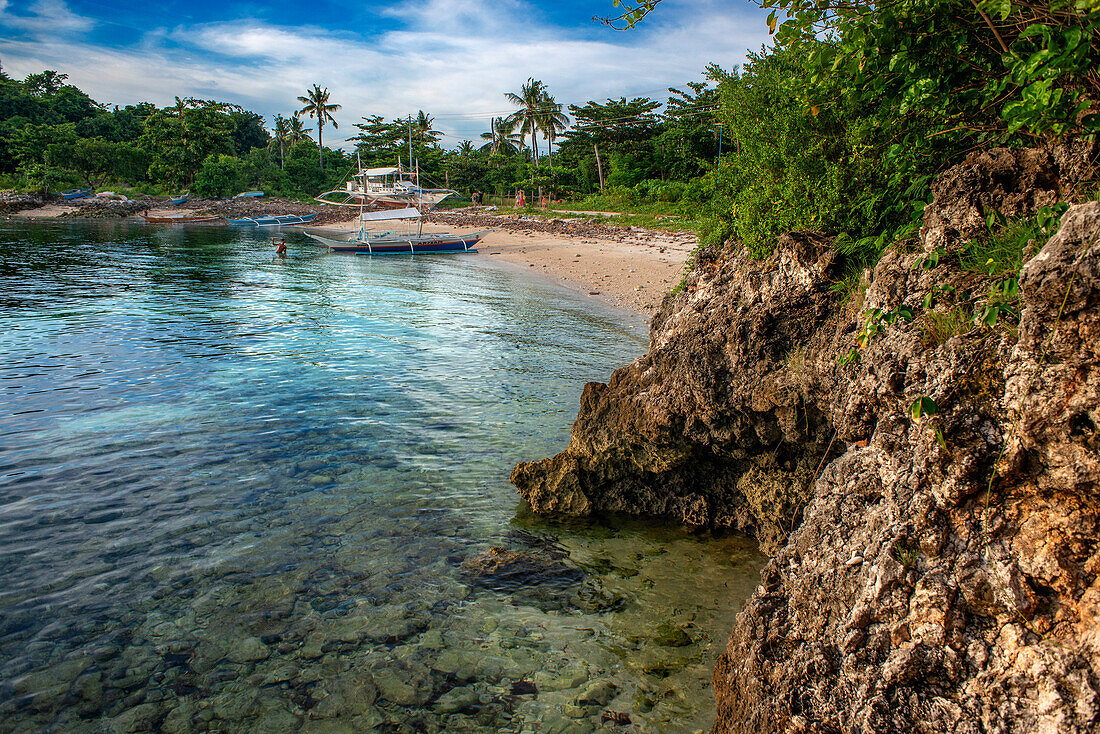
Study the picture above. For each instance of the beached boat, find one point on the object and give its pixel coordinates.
(179, 219)
(388, 188)
(248, 194)
(406, 243)
(180, 198)
(273, 221)
(75, 194)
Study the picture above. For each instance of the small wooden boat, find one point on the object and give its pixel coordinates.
(248, 194)
(181, 198)
(178, 219)
(75, 194)
(282, 220)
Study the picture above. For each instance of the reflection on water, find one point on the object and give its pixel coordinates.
(245, 494)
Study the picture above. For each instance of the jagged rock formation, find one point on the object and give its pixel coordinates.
(945, 573)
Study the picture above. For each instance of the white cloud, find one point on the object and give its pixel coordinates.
(457, 68)
(47, 18)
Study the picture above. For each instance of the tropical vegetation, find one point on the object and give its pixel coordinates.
(840, 125)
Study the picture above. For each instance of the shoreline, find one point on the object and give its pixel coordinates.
(628, 268)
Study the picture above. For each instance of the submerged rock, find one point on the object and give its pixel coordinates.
(502, 569)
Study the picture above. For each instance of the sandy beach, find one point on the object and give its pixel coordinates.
(634, 271)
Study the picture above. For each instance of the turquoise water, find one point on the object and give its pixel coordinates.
(246, 494)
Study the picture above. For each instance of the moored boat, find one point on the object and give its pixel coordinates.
(180, 198)
(179, 219)
(273, 221)
(248, 194)
(408, 243)
(76, 194)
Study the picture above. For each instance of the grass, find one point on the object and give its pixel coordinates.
(1002, 253)
(937, 327)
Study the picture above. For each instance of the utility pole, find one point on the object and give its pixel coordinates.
(410, 142)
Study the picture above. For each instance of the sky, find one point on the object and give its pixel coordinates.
(454, 59)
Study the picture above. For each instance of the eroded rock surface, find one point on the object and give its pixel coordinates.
(942, 573)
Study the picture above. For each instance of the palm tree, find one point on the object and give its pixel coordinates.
(317, 105)
(298, 132)
(282, 136)
(422, 129)
(553, 123)
(465, 148)
(502, 138)
(527, 117)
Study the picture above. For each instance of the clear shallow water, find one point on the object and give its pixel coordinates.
(242, 494)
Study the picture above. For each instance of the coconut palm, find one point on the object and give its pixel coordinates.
(298, 132)
(422, 131)
(527, 117)
(281, 136)
(317, 105)
(502, 138)
(553, 123)
(465, 148)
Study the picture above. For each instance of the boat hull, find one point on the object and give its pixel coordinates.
(280, 221)
(178, 220)
(409, 246)
(75, 194)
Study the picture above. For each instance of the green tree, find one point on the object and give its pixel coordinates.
(281, 137)
(219, 176)
(528, 117)
(298, 131)
(552, 121)
(180, 138)
(317, 105)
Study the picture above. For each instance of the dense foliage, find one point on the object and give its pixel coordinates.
(842, 126)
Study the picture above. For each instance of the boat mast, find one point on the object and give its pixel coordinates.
(420, 207)
(363, 198)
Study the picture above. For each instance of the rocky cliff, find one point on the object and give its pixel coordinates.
(934, 569)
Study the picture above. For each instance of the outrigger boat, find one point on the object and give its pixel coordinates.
(389, 243)
(387, 188)
(248, 194)
(273, 221)
(75, 194)
(180, 198)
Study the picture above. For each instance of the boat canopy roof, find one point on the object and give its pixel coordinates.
(373, 172)
(408, 213)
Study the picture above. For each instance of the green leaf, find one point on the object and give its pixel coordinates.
(923, 406)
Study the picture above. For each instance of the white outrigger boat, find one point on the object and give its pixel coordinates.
(405, 243)
(388, 188)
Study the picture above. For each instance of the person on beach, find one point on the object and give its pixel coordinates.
(521, 199)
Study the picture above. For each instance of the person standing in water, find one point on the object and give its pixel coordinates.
(280, 246)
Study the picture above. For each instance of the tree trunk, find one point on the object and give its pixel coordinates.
(598, 166)
(320, 145)
(282, 156)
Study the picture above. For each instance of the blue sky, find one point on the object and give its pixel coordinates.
(451, 58)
